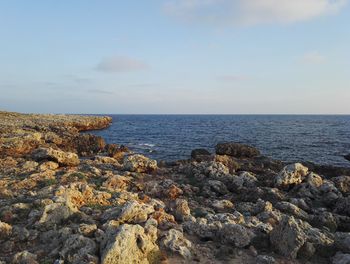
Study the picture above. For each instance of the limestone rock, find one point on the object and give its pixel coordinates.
(25, 257)
(182, 211)
(287, 237)
(291, 174)
(61, 157)
(54, 214)
(139, 163)
(128, 244)
(5, 230)
(342, 183)
(78, 249)
(175, 241)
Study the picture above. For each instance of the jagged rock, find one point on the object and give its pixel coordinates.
(228, 162)
(342, 183)
(216, 187)
(128, 244)
(106, 160)
(182, 211)
(174, 241)
(25, 257)
(235, 234)
(54, 214)
(222, 204)
(325, 219)
(78, 194)
(314, 180)
(116, 183)
(48, 165)
(292, 209)
(5, 230)
(63, 158)
(291, 174)
(343, 206)
(130, 212)
(287, 237)
(342, 241)
(87, 229)
(341, 258)
(87, 144)
(236, 150)
(117, 152)
(139, 163)
(200, 154)
(244, 180)
(78, 249)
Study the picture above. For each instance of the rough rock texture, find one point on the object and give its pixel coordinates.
(291, 174)
(128, 244)
(67, 197)
(139, 163)
(61, 157)
(236, 150)
(287, 237)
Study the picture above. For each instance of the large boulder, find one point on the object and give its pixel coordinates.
(139, 163)
(128, 244)
(61, 157)
(291, 174)
(236, 150)
(287, 237)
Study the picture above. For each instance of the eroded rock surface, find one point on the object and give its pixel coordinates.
(67, 197)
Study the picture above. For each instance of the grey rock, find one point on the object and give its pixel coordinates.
(287, 237)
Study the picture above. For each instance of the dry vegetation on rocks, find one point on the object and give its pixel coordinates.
(114, 206)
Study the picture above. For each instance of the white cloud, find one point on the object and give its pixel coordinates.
(313, 57)
(252, 12)
(121, 64)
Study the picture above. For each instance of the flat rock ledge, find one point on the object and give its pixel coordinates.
(67, 197)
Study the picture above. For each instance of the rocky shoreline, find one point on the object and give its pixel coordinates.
(67, 197)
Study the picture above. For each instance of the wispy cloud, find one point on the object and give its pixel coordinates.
(251, 12)
(98, 91)
(121, 64)
(313, 57)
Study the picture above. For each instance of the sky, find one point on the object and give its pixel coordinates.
(175, 56)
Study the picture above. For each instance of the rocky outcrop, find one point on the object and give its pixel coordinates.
(128, 244)
(139, 163)
(62, 158)
(236, 150)
(67, 197)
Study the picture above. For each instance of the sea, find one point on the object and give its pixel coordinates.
(322, 139)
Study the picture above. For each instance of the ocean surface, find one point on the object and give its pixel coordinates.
(319, 139)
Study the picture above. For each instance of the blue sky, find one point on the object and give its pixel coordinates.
(175, 56)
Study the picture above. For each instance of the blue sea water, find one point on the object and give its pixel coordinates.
(316, 138)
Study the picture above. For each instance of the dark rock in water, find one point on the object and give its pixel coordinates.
(236, 150)
(328, 171)
(200, 154)
(347, 157)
